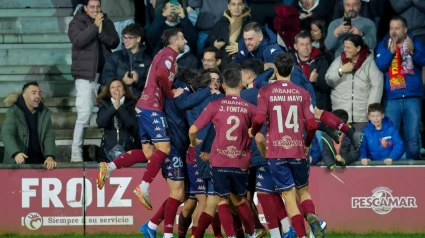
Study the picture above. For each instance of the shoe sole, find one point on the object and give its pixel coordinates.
(142, 200)
(315, 225)
(144, 232)
(101, 179)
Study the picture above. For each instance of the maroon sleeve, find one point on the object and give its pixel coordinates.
(310, 126)
(162, 76)
(257, 123)
(205, 117)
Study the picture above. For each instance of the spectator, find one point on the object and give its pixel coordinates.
(92, 36)
(355, 81)
(370, 9)
(211, 58)
(227, 32)
(172, 17)
(381, 141)
(117, 118)
(131, 65)
(27, 132)
(262, 11)
(414, 13)
(314, 66)
(121, 13)
(339, 29)
(259, 43)
(339, 154)
(310, 9)
(287, 25)
(401, 57)
(318, 32)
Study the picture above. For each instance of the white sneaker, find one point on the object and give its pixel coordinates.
(76, 158)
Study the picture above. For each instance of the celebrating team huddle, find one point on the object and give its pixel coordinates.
(216, 149)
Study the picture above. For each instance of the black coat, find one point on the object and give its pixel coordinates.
(122, 61)
(323, 10)
(321, 88)
(347, 152)
(85, 38)
(128, 125)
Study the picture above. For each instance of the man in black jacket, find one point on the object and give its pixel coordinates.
(92, 36)
(131, 64)
(314, 66)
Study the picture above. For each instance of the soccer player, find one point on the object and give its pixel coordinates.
(260, 177)
(152, 123)
(205, 212)
(287, 107)
(230, 154)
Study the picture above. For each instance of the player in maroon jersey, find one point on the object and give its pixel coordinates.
(288, 108)
(230, 155)
(152, 123)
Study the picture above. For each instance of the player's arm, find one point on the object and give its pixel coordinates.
(310, 121)
(162, 77)
(200, 123)
(261, 144)
(260, 115)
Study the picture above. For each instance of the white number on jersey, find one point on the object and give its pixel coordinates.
(233, 128)
(292, 115)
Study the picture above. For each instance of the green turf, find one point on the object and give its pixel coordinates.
(380, 235)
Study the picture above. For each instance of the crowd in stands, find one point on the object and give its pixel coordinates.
(364, 61)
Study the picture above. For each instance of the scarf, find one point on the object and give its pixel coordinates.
(401, 65)
(235, 26)
(362, 57)
(305, 65)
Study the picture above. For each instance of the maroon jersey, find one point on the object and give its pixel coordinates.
(286, 106)
(153, 95)
(232, 117)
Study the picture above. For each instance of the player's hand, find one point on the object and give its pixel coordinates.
(50, 163)
(205, 156)
(410, 46)
(364, 161)
(313, 76)
(20, 158)
(195, 143)
(232, 48)
(219, 44)
(307, 149)
(341, 29)
(388, 161)
(135, 76)
(177, 92)
(355, 31)
(250, 133)
(311, 159)
(127, 80)
(347, 68)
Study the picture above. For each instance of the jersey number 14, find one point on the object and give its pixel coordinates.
(291, 121)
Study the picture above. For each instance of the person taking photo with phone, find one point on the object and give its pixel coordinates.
(351, 23)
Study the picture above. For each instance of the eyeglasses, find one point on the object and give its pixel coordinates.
(125, 38)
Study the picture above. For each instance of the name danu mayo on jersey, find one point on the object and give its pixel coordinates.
(287, 106)
(153, 95)
(232, 117)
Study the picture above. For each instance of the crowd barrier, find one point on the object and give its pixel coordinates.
(356, 199)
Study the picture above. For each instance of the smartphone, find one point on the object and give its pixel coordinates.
(130, 75)
(175, 3)
(220, 39)
(347, 21)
